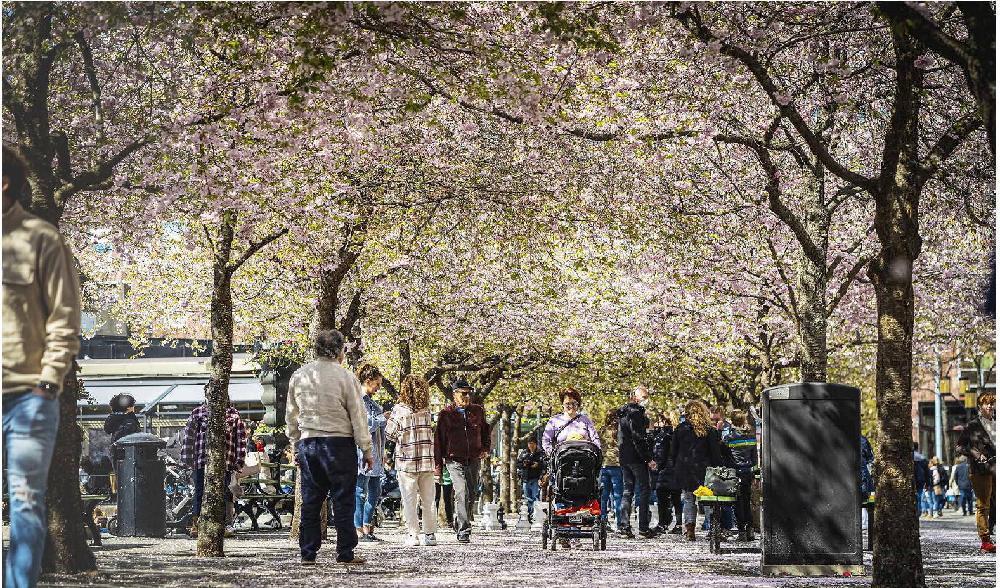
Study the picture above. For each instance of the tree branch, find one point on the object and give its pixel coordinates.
(254, 248)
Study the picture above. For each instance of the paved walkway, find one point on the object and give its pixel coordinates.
(950, 549)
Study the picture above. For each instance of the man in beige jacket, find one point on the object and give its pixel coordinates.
(327, 422)
(41, 326)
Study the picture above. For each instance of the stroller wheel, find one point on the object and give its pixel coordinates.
(545, 536)
(596, 536)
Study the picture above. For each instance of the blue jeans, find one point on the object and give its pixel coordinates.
(531, 491)
(727, 520)
(329, 469)
(30, 422)
(612, 487)
(367, 491)
(967, 499)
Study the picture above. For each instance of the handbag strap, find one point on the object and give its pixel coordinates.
(555, 438)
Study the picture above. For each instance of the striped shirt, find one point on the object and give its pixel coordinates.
(414, 437)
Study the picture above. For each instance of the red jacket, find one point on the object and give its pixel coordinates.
(461, 438)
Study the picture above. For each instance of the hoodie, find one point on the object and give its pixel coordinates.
(633, 441)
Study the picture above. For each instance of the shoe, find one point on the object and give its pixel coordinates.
(229, 532)
(464, 539)
(413, 540)
(307, 562)
(988, 546)
(647, 534)
(626, 533)
(373, 539)
(366, 538)
(677, 530)
(689, 532)
(564, 543)
(741, 537)
(356, 560)
(430, 540)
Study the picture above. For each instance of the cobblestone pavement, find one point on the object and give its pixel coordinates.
(950, 549)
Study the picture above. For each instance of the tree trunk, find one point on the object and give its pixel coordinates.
(405, 359)
(897, 557)
(212, 522)
(812, 281)
(66, 549)
(506, 493)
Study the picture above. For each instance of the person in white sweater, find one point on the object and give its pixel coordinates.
(411, 428)
(327, 423)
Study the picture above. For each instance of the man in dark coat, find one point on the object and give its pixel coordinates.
(636, 458)
(461, 441)
(668, 494)
(978, 443)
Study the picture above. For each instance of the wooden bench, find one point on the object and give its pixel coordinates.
(90, 502)
(715, 519)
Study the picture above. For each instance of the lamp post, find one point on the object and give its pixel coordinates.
(941, 386)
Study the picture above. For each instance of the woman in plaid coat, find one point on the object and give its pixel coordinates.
(410, 427)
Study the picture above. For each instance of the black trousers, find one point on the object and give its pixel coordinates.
(667, 500)
(449, 501)
(744, 516)
(329, 469)
(636, 477)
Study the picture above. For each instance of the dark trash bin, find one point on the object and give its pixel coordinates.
(811, 519)
(141, 497)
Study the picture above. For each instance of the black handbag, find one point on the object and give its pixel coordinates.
(722, 481)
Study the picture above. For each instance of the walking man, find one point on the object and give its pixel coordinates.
(41, 326)
(327, 422)
(194, 453)
(636, 458)
(978, 443)
(530, 467)
(461, 441)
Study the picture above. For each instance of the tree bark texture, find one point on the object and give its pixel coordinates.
(212, 522)
(66, 549)
(897, 554)
(507, 432)
(812, 282)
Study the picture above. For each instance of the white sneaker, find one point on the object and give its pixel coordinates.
(430, 540)
(413, 540)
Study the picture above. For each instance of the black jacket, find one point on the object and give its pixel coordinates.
(119, 424)
(692, 455)
(743, 447)
(530, 466)
(663, 477)
(975, 438)
(633, 441)
(922, 479)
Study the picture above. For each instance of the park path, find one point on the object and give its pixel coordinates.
(950, 548)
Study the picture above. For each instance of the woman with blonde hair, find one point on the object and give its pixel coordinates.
(696, 446)
(410, 427)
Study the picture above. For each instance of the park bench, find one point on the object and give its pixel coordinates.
(258, 499)
(715, 519)
(90, 502)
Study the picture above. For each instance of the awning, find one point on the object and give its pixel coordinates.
(184, 391)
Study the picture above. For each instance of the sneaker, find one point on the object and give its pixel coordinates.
(367, 539)
(413, 540)
(647, 534)
(373, 539)
(988, 546)
(430, 540)
(307, 562)
(464, 539)
(356, 560)
(677, 530)
(626, 533)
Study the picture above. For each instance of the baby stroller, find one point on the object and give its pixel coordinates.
(575, 469)
(390, 503)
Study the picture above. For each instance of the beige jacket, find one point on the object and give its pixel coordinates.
(41, 303)
(324, 400)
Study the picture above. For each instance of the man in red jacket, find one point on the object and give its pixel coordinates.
(461, 441)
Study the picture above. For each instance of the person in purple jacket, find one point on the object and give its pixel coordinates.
(570, 425)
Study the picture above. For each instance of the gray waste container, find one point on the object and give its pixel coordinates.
(141, 499)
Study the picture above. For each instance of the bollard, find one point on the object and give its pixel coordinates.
(523, 524)
(540, 515)
(490, 521)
